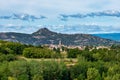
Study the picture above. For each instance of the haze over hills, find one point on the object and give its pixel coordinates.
(45, 36)
(66, 29)
(112, 36)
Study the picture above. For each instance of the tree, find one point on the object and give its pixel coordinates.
(10, 57)
(73, 53)
(35, 70)
(7, 57)
(38, 77)
(4, 71)
(53, 70)
(6, 50)
(18, 70)
(16, 47)
(79, 70)
(93, 74)
(116, 77)
(11, 78)
(2, 57)
(33, 52)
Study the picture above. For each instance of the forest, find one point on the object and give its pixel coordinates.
(27, 62)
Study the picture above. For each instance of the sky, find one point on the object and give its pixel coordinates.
(63, 16)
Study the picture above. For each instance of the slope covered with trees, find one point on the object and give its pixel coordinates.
(92, 63)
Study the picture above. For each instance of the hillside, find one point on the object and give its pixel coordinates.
(112, 36)
(45, 36)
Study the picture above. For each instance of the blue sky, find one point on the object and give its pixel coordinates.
(65, 16)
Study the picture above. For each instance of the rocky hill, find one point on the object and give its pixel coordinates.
(45, 36)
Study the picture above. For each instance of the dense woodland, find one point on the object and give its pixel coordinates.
(92, 63)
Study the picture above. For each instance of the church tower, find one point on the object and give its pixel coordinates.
(60, 45)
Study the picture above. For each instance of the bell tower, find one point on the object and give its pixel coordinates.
(60, 45)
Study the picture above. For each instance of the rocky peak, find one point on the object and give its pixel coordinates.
(43, 31)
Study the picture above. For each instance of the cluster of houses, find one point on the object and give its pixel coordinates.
(60, 46)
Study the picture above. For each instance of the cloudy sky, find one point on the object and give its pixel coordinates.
(66, 16)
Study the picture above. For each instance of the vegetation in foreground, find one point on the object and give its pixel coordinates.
(46, 64)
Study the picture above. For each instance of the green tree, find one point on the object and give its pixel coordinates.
(73, 53)
(16, 47)
(11, 78)
(18, 70)
(53, 70)
(33, 52)
(116, 77)
(4, 71)
(93, 74)
(2, 57)
(38, 77)
(79, 70)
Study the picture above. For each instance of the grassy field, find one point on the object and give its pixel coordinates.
(67, 61)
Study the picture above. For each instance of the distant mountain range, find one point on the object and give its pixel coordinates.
(45, 36)
(66, 29)
(112, 36)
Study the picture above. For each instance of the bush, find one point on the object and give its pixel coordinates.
(10, 57)
(73, 53)
(7, 57)
(33, 52)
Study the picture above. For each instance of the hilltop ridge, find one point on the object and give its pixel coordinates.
(45, 36)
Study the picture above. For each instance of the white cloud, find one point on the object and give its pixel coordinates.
(57, 6)
(52, 9)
